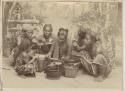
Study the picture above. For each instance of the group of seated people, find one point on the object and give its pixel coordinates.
(31, 53)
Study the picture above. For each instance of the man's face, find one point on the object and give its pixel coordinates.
(47, 32)
(62, 35)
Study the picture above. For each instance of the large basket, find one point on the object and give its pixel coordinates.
(70, 70)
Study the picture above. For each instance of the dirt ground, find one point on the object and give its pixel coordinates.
(11, 80)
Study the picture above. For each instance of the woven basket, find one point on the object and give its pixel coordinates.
(54, 72)
(70, 70)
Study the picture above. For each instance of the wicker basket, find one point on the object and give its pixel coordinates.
(54, 72)
(70, 70)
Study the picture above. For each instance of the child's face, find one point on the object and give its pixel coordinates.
(47, 32)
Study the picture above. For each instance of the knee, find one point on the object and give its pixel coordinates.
(100, 56)
(41, 57)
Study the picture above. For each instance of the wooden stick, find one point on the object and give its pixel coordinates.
(5, 68)
(84, 59)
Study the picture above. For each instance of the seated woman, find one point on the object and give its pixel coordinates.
(78, 43)
(94, 62)
(101, 65)
(23, 43)
(25, 63)
(61, 49)
(44, 43)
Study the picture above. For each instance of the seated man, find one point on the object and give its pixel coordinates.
(44, 44)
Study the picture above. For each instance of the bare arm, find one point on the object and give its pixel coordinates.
(38, 40)
(33, 59)
(51, 49)
(77, 47)
(69, 50)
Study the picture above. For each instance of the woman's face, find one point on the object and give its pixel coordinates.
(62, 35)
(47, 32)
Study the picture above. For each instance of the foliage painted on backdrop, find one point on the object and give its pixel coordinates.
(96, 20)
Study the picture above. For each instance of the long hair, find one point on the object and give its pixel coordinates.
(62, 29)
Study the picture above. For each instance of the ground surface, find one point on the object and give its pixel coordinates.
(11, 80)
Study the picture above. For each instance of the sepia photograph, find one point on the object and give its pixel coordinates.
(61, 44)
